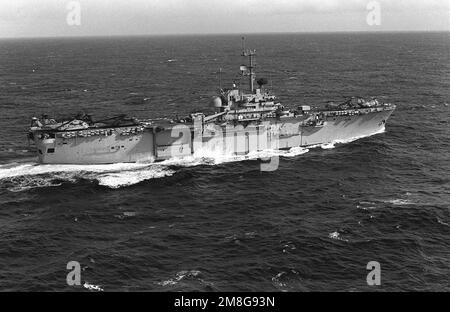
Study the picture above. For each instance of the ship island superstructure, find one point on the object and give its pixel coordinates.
(246, 120)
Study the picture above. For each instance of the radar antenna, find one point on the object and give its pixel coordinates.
(250, 68)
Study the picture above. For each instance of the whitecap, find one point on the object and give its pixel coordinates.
(179, 276)
(276, 280)
(167, 283)
(399, 202)
(92, 287)
(288, 246)
(366, 205)
(366, 208)
(336, 235)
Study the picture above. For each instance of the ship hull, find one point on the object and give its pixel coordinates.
(155, 144)
(344, 128)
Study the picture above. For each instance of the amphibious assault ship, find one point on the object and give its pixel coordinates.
(246, 120)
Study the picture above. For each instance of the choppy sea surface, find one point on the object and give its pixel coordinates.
(221, 224)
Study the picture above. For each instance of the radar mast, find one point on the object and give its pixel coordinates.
(249, 70)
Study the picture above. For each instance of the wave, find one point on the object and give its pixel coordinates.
(130, 177)
(276, 280)
(367, 205)
(19, 184)
(399, 202)
(21, 177)
(180, 276)
(30, 169)
(285, 280)
(92, 287)
(337, 236)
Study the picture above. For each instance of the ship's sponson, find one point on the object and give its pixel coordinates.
(82, 141)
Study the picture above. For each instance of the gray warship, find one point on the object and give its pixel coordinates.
(247, 119)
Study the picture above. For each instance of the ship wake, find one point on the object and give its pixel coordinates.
(17, 177)
(21, 177)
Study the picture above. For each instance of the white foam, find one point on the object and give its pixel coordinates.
(179, 276)
(30, 169)
(29, 175)
(126, 178)
(336, 235)
(92, 287)
(399, 202)
(328, 146)
(276, 280)
(367, 205)
(366, 208)
(293, 152)
(26, 183)
(213, 157)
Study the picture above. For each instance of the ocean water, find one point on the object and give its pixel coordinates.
(221, 224)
